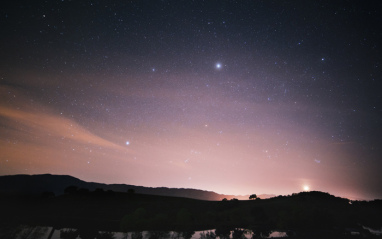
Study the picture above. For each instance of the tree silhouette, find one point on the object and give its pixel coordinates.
(252, 197)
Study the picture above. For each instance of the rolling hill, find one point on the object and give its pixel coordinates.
(37, 184)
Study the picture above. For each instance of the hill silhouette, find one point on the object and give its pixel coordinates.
(37, 184)
(303, 215)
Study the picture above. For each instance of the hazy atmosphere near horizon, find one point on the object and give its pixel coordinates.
(236, 97)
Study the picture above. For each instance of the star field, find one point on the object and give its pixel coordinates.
(235, 97)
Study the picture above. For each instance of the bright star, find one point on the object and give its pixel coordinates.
(127, 142)
(218, 66)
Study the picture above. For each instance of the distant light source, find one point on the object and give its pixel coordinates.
(218, 66)
(127, 142)
(306, 188)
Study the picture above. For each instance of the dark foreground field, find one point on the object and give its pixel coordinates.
(315, 214)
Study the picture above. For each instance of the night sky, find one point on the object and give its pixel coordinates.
(236, 97)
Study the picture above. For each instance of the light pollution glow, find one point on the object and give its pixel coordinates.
(261, 97)
(200, 151)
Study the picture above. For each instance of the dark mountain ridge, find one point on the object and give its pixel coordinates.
(305, 215)
(37, 184)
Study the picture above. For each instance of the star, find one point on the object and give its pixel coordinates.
(224, 87)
